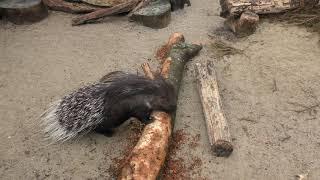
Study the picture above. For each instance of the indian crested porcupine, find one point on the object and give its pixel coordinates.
(105, 105)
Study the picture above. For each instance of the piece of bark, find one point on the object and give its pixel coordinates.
(217, 127)
(148, 156)
(23, 12)
(179, 4)
(245, 25)
(68, 7)
(237, 7)
(156, 14)
(121, 8)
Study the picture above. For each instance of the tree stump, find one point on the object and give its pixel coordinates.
(245, 25)
(157, 14)
(23, 11)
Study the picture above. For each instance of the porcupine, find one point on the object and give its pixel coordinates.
(105, 105)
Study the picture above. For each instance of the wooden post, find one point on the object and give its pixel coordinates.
(217, 127)
(148, 156)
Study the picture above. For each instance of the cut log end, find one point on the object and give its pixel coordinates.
(222, 148)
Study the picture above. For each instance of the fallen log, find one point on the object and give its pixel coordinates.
(148, 156)
(121, 8)
(68, 7)
(155, 14)
(21, 12)
(245, 25)
(217, 127)
(237, 7)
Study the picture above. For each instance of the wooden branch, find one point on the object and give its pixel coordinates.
(148, 156)
(121, 8)
(147, 70)
(23, 12)
(165, 67)
(163, 51)
(68, 7)
(217, 127)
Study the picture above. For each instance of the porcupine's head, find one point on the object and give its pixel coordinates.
(139, 94)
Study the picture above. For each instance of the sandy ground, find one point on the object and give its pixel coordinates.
(271, 95)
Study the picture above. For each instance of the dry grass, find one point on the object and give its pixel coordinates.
(220, 49)
(309, 18)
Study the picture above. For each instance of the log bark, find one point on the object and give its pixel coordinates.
(217, 127)
(121, 8)
(156, 14)
(23, 12)
(237, 7)
(245, 25)
(148, 156)
(68, 7)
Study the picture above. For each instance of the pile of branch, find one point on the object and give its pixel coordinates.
(243, 15)
(151, 13)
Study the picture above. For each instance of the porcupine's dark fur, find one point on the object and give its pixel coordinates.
(105, 105)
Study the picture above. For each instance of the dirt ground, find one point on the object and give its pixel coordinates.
(270, 94)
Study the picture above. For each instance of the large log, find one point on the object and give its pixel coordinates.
(68, 7)
(217, 127)
(21, 12)
(155, 14)
(148, 156)
(236, 7)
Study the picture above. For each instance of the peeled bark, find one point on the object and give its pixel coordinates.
(148, 156)
(22, 12)
(217, 126)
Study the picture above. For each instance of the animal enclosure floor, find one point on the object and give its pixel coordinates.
(270, 94)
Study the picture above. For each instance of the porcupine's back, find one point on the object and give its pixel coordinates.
(75, 114)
